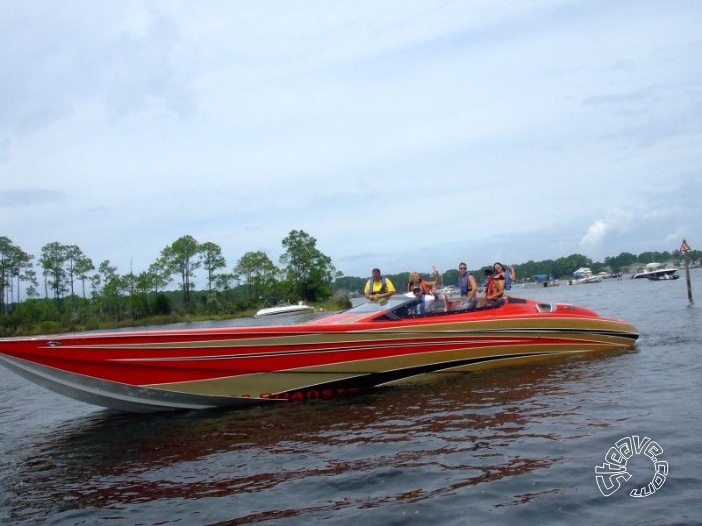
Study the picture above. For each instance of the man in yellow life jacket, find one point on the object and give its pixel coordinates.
(378, 287)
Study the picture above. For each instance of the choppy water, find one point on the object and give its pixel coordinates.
(514, 446)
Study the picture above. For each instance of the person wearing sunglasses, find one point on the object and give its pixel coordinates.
(421, 289)
(466, 282)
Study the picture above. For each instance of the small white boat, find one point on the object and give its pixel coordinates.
(589, 279)
(284, 307)
(450, 291)
(584, 275)
(656, 272)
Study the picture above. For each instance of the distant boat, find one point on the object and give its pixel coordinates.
(584, 275)
(662, 277)
(539, 280)
(657, 272)
(283, 307)
(451, 291)
(540, 284)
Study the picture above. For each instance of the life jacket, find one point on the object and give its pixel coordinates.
(488, 287)
(467, 288)
(491, 283)
(425, 288)
(383, 286)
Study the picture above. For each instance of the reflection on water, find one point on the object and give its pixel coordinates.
(413, 443)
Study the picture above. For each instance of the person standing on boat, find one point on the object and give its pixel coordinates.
(378, 287)
(466, 282)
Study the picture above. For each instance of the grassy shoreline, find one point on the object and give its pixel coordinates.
(106, 324)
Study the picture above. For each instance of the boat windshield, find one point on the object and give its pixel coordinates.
(402, 307)
(390, 303)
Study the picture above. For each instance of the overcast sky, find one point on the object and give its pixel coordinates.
(399, 134)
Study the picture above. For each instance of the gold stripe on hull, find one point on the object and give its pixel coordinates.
(486, 356)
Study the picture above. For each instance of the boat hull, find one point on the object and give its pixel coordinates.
(115, 395)
(662, 276)
(335, 356)
(656, 272)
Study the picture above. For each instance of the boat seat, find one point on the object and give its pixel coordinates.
(450, 305)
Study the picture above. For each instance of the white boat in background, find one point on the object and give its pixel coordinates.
(450, 291)
(283, 307)
(662, 277)
(657, 272)
(584, 275)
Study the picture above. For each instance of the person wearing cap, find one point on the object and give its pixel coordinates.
(420, 288)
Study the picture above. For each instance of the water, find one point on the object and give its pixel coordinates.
(513, 446)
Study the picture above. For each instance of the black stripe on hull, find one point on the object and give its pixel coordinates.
(368, 381)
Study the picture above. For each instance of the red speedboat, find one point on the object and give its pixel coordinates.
(402, 340)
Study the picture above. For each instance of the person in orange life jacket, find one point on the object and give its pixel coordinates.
(421, 288)
(427, 287)
(378, 287)
(466, 282)
(489, 279)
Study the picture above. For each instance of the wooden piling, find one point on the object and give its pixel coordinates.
(685, 249)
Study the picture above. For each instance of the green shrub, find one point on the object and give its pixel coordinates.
(50, 327)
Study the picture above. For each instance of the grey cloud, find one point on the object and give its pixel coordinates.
(637, 96)
(29, 197)
(77, 62)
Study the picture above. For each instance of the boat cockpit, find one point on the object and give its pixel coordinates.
(401, 307)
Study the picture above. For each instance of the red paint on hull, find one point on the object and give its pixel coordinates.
(381, 341)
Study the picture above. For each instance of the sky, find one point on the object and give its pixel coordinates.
(400, 134)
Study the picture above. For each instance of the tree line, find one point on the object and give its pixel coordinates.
(78, 295)
(560, 268)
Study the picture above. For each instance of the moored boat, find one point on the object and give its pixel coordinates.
(583, 276)
(374, 344)
(657, 272)
(449, 290)
(662, 277)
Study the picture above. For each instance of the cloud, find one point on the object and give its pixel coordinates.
(617, 221)
(595, 234)
(26, 197)
(80, 59)
(398, 133)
